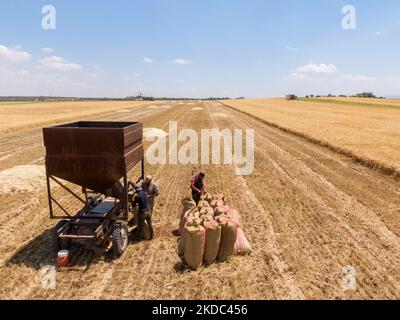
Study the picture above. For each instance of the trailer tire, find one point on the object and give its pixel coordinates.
(60, 244)
(120, 238)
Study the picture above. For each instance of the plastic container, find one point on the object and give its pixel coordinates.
(63, 258)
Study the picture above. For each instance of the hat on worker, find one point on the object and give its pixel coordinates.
(138, 187)
(149, 178)
(202, 173)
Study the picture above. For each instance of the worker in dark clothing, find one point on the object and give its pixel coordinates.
(152, 190)
(198, 187)
(144, 214)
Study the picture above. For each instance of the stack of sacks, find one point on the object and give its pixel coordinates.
(211, 231)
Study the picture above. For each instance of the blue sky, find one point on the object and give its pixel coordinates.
(253, 48)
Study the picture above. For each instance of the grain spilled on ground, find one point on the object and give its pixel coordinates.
(22, 178)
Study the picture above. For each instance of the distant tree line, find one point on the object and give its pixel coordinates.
(129, 98)
(144, 98)
(358, 95)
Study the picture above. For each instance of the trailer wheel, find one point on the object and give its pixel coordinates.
(58, 243)
(120, 238)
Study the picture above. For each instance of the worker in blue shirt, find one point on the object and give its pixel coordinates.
(141, 199)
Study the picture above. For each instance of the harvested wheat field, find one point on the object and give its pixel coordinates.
(360, 101)
(363, 128)
(21, 115)
(306, 210)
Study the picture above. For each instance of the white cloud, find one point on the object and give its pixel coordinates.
(48, 50)
(180, 81)
(148, 60)
(12, 56)
(318, 68)
(59, 64)
(309, 81)
(181, 61)
(293, 49)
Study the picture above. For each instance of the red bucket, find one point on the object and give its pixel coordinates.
(63, 258)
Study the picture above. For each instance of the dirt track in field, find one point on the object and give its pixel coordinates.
(306, 210)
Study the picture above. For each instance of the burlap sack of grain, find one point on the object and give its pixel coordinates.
(182, 221)
(203, 204)
(213, 240)
(242, 245)
(234, 215)
(225, 208)
(188, 204)
(207, 211)
(191, 220)
(219, 211)
(228, 237)
(191, 213)
(216, 203)
(206, 197)
(219, 197)
(195, 239)
(205, 218)
(181, 246)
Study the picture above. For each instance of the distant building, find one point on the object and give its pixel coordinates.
(291, 97)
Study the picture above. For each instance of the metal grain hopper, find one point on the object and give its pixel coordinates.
(96, 156)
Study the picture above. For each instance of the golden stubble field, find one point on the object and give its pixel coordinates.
(371, 133)
(23, 115)
(383, 102)
(307, 211)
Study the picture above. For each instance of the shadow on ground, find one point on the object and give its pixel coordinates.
(40, 252)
